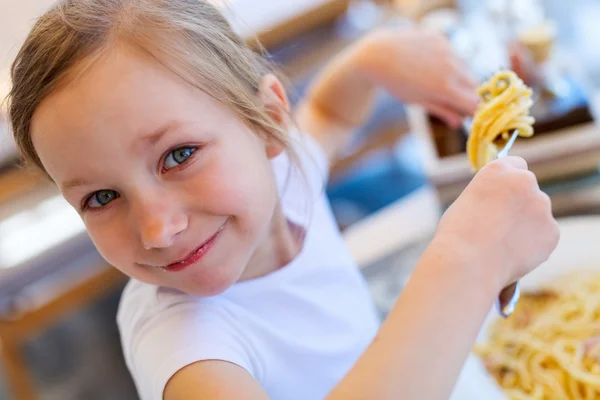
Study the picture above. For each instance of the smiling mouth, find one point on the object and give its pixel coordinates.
(195, 255)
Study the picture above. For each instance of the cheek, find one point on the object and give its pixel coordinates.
(113, 242)
(116, 245)
(243, 188)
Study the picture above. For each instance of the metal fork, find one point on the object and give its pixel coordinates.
(509, 296)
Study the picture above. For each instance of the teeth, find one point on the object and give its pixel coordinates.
(177, 263)
(165, 268)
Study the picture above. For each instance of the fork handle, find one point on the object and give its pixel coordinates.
(507, 299)
(509, 296)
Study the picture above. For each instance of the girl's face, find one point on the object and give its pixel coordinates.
(173, 188)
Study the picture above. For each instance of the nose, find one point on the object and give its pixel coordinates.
(159, 221)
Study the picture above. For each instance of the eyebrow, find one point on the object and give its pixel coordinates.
(70, 184)
(153, 137)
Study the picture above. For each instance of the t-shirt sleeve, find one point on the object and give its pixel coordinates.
(162, 335)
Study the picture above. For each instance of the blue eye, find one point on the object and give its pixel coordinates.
(178, 157)
(101, 198)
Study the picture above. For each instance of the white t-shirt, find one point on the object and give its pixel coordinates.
(297, 331)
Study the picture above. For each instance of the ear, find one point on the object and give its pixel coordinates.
(274, 98)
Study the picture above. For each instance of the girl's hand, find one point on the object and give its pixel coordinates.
(499, 229)
(503, 220)
(419, 66)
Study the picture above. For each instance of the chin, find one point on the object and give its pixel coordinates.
(208, 284)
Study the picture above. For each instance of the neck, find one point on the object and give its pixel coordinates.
(281, 245)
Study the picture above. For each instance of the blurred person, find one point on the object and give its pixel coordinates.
(175, 143)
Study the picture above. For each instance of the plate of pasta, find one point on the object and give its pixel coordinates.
(550, 347)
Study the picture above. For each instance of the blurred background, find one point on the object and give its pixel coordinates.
(58, 299)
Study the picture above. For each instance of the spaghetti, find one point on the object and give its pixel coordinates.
(504, 107)
(550, 348)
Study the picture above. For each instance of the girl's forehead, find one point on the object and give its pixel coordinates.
(124, 91)
(117, 102)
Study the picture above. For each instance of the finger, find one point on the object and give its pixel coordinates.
(513, 161)
(521, 61)
(463, 97)
(547, 204)
(446, 113)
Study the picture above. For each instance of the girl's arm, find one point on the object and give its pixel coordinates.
(499, 229)
(415, 65)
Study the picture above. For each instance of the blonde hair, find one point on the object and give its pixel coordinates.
(189, 37)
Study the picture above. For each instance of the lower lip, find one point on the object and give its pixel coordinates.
(196, 255)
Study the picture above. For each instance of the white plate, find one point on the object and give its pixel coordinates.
(578, 250)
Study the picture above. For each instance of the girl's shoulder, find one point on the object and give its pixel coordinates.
(163, 330)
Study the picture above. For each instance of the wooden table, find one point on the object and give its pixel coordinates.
(63, 297)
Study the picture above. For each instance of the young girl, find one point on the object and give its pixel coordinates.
(173, 141)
